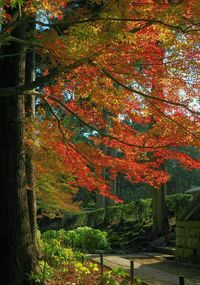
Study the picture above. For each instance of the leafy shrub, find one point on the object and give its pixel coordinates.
(86, 238)
(113, 214)
(54, 249)
(114, 277)
(140, 209)
(44, 273)
(71, 220)
(68, 220)
(128, 212)
(81, 219)
(177, 203)
(95, 218)
(53, 234)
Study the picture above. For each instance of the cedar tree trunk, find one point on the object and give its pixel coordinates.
(17, 251)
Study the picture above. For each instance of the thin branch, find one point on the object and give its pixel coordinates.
(147, 21)
(146, 95)
(149, 97)
(99, 131)
(63, 134)
(172, 120)
(6, 40)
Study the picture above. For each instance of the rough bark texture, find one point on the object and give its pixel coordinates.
(16, 248)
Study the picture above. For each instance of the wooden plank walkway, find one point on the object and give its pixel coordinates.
(148, 274)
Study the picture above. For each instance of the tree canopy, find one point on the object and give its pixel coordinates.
(123, 74)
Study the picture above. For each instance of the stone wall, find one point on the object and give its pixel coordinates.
(188, 241)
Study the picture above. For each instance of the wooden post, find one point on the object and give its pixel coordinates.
(132, 272)
(82, 259)
(181, 280)
(101, 262)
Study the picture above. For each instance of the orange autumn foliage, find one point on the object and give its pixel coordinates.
(127, 66)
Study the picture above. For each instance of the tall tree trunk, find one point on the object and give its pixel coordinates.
(160, 218)
(17, 252)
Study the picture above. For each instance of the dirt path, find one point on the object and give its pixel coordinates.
(154, 270)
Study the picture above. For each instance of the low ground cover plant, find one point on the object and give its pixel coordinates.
(85, 239)
(60, 264)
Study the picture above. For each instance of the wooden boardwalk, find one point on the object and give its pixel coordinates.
(148, 274)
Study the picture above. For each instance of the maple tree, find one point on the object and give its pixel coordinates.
(135, 61)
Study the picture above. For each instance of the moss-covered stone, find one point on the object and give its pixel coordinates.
(180, 231)
(188, 241)
(179, 251)
(188, 253)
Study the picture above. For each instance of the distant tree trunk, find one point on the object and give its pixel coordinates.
(29, 153)
(100, 199)
(112, 182)
(160, 218)
(17, 252)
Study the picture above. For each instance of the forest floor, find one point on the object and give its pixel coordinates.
(154, 269)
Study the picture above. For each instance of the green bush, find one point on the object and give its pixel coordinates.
(113, 215)
(53, 234)
(54, 248)
(81, 219)
(177, 203)
(86, 239)
(140, 209)
(95, 218)
(74, 220)
(127, 212)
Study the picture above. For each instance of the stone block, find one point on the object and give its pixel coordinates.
(180, 231)
(179, 241)
(179, 252)
(195, 243)
(189, 224)
(188, 253)
(198, 244)
(184, 242)
(192, 242)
